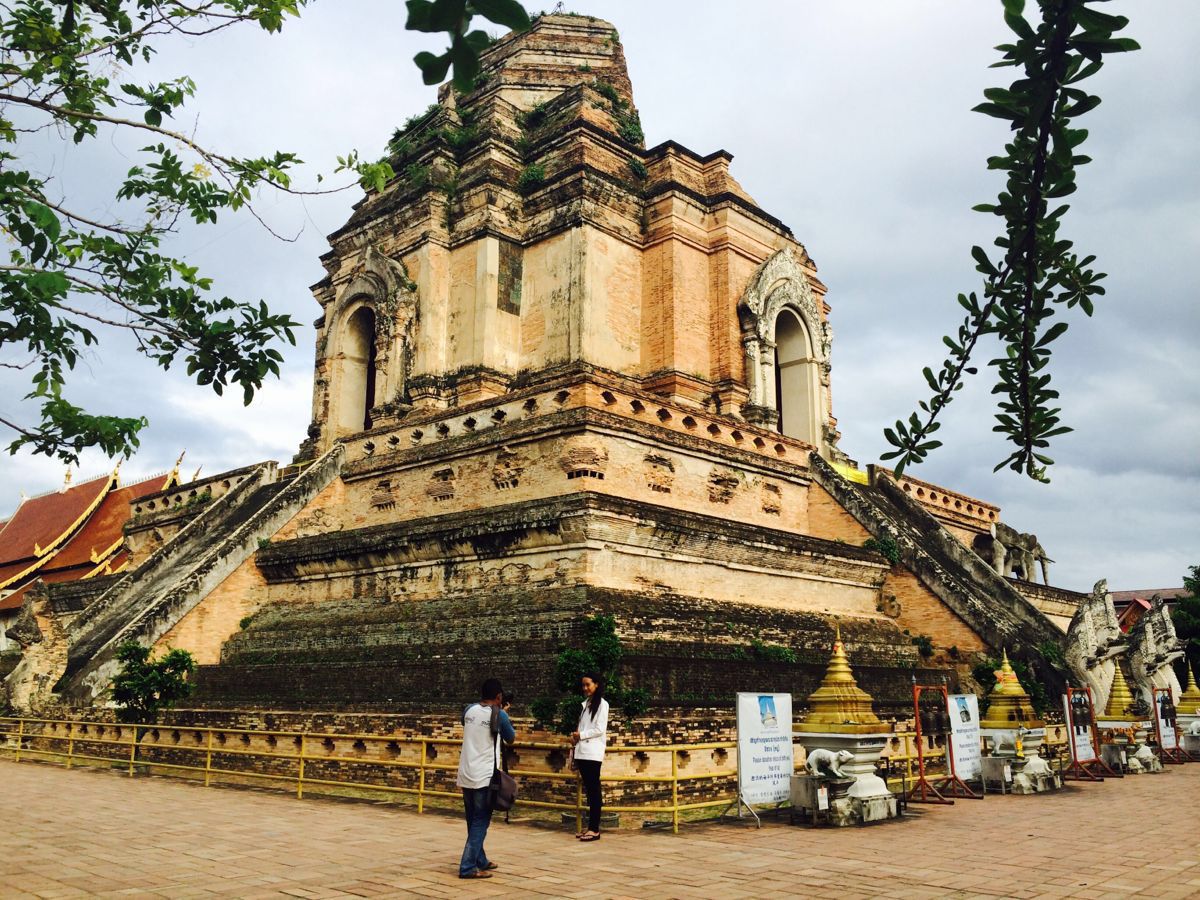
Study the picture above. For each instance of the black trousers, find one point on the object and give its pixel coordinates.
(589, 771)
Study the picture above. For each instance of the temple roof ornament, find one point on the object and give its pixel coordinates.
(1009, 703)
(839, 705)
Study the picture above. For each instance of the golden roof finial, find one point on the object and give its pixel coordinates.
(66, 480)
(1189, 700)
(173, 476)
(1119, 698)
(839, 704)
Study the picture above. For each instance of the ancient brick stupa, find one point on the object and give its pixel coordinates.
(557, 373)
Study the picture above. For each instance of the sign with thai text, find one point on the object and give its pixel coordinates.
(764, 737)
(964, 736)
(1164, 711)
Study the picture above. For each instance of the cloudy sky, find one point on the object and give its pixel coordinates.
(850, 122)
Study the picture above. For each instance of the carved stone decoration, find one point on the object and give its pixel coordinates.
(441, 485)
(507, 469)
(722, 485)
(781, 283)
(1094, 642)
(319, 521)
(889, 605)
(383, 496)
(582, 458)
(24, 630)
(1154, 647)
(1013, 553)
(660, 473)
(771, 497)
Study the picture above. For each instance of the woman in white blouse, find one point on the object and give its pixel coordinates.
(589, 740)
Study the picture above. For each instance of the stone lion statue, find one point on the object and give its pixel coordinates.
(827, 764)
(1193, 729)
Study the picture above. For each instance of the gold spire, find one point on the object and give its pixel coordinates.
(839, 705)
(1189, 700)
(1119, 698)
(1009, 704)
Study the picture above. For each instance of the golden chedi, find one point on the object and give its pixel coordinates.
(1120, 700)
(1009, 705)
(1189, 701)
(839, 705)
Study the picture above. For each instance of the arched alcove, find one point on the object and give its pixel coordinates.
(795, 378)
(356, 371)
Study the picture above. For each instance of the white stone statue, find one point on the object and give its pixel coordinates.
(1193, 730)
(1093, 640)
(1154, 646)
(827, 764)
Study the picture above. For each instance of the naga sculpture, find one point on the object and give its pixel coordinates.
(1154, 646)
(1094, 641)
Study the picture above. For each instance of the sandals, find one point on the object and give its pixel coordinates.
(478, 873)
(490, 866)
(591, 836)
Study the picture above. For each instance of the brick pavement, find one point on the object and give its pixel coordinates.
(84, 833)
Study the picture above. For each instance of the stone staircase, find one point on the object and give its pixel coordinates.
(147, 602)
(991, 606)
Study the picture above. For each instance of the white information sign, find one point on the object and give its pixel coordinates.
(1164, 709)
(964, 734)
(1079, 723)
(764, 736)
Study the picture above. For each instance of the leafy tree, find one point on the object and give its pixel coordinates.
(71, 275)
(1186, 616)
(144, 685)
(1036, 273)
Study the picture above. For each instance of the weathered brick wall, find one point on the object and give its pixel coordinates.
(923, 613)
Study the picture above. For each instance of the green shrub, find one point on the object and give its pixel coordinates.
(885, 546)
(924, 645)
(771, 652)
(638, 168)
(143, 686)
(531, 178)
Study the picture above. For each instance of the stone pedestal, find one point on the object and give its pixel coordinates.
(869, 799)
(1030, 773)
(1133, 757)
(1189, 742)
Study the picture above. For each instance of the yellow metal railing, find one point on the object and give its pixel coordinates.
(209, 755)
(210, 752)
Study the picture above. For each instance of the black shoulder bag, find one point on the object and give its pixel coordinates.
(503, 788)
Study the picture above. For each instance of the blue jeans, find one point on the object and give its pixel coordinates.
(477, 804)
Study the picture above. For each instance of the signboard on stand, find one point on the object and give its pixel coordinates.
(1077, 706)
(964, 733)
(764, 741)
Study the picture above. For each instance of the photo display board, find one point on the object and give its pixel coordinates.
(1164, 711)
(764, 739)
(964, 733)
(1077, 705)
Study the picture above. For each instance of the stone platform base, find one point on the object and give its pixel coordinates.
(843, 809)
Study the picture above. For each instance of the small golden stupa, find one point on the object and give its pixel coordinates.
(1189, 700)
(1008, 703)
(839, 705)
(1119, 700)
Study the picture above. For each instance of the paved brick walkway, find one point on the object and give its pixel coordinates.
(83, 833)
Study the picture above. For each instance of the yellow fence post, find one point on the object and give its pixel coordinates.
(132, 749)
(20, 738)
(300, 772)
(674, 792)
(421, 778)
(208, 761)
(70, 743)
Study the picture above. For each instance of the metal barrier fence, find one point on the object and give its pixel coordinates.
(212, 752)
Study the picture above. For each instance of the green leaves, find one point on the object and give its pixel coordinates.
(1038, 271)
(69, 276)
(453, 18)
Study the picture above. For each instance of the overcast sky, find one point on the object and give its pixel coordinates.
(850, 122)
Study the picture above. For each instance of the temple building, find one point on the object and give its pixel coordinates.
(557, 373)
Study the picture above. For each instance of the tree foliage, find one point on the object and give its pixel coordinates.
(1037, 273)
(1186, 617)
(144, 685)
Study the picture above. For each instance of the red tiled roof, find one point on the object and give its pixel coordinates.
(39, 521)
(13, 600)
(1165, 593)
(103, 528)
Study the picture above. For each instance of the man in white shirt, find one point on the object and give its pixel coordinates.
(479, 758)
